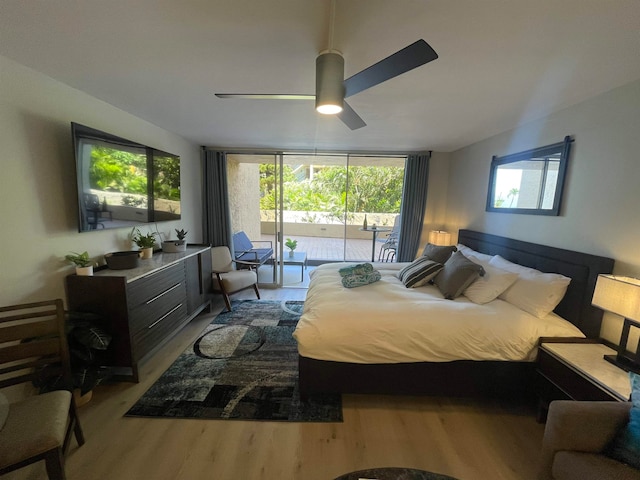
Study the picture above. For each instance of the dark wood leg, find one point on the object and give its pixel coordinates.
(73, 428)
(227, 302)
(255, 287)
(54, 461)
(77, 429)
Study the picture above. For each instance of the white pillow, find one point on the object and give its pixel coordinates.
(4, 410)
(480, 258)
(487, 288)
(534, 292)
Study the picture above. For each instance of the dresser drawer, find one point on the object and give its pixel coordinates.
(568, 381)
(145, 289)
(143, 315)
(146, 339)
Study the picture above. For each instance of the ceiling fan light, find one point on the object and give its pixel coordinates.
(329, 109)
(329, 83)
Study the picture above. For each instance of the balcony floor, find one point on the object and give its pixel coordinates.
(320, 250)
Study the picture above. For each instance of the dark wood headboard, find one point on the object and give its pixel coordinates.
(582, 268)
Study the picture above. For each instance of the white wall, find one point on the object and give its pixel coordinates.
(601, 197)
(38, 206)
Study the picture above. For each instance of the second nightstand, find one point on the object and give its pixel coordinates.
(578, 371)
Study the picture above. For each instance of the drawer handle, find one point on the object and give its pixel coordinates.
(165, 315)
(163, 293)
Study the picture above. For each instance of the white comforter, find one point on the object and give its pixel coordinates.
(385, 322)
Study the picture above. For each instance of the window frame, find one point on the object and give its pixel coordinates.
(563, 148)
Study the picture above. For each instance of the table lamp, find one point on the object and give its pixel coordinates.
(439, 237)
(621, 295)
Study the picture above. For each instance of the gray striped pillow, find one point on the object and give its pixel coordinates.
(419, 272)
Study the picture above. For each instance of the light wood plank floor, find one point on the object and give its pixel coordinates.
(467, 439)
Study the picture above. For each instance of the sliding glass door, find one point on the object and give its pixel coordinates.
(316, 208)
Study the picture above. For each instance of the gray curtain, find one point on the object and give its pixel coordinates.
(414, 202)
(216, 226)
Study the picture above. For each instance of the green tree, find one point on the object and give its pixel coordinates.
(118, 171)
(360, 189)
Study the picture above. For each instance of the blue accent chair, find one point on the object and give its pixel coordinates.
(245, 251)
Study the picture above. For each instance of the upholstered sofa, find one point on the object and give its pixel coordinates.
(575, 435)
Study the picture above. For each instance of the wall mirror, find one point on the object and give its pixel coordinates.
(529, 182)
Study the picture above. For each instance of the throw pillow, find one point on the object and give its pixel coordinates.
(439, 254)
(534, 292)
(419, 272)
(458, 273)
(493, 283)
(625, 446)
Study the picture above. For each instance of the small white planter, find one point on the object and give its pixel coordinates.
(174, 246)
(291, 253)
(146, 252)
(85, 271)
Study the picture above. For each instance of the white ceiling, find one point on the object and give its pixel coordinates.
(502, 62)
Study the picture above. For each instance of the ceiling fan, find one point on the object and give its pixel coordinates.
(332, 88)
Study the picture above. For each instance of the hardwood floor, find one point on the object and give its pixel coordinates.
(466, 439)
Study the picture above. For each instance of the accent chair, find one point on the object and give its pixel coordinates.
(575, 436)
(226, 279)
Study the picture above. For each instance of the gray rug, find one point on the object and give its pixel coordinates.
(244, 366)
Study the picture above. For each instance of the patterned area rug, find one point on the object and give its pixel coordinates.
(393, 474)
(244, 366)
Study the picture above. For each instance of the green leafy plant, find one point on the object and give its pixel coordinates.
(88, 343)
(143, 241)
(181, 234)
(79, 259)
(291, 244)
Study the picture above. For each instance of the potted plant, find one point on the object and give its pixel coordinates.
(179, 245)
(84, 265)
(88, 343)
(144, 242)
(291, 245)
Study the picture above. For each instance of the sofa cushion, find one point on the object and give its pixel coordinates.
(590, 466)
(241, 242)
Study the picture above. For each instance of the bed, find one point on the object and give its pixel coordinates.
(351, 340)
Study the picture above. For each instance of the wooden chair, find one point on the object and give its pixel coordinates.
(33, 350)
(228, 281)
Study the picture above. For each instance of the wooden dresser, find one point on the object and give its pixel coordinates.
(145, 306)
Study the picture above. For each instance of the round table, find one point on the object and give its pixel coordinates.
(393, 473)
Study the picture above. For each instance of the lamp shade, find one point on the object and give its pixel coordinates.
(619, 295)
(329, 83)
(439, 237)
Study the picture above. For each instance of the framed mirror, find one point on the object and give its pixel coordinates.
(529, 182)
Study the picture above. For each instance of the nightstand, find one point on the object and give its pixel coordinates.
(577, 370)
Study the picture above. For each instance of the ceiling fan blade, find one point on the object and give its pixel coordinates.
(350, 118)
(265, 96)
(415, 55)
